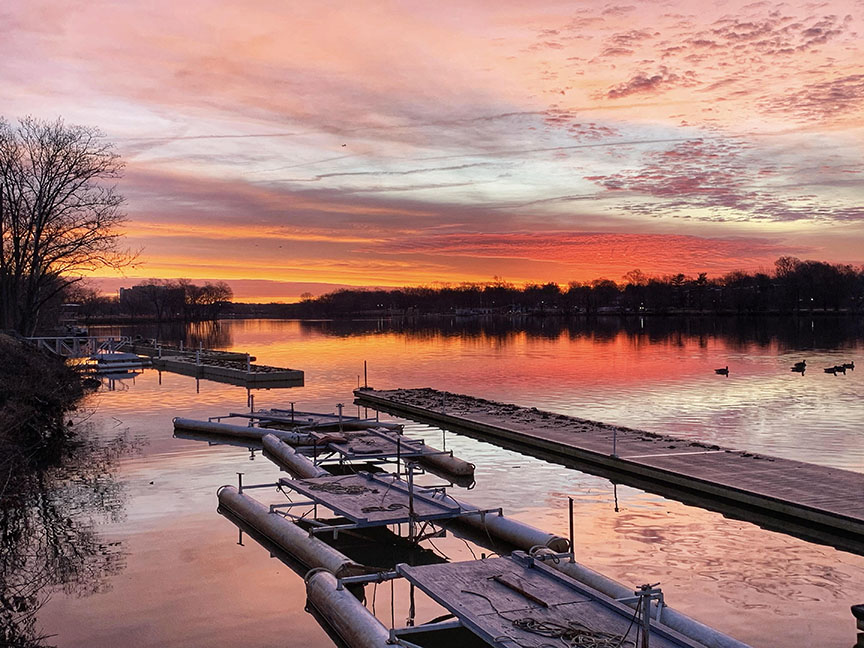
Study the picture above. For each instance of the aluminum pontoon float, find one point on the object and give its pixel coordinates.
(374, 442)
(515, 601)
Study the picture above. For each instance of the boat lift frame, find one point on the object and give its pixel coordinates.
(645, 594)
(296, 418)
(337, 449)
(332, 449)
(395, 484)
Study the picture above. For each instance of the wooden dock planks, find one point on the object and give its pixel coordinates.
(490, 597)
(828, 501)
(371, 501)
(232, 372)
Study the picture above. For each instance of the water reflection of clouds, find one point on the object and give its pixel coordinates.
(762, 587)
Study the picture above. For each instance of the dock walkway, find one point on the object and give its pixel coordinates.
(816, 502)
(517, 601)
(219, 366)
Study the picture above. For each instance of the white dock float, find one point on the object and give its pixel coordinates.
(284, 456)
(682, 623)
(503, 601)
(239, 431)
(354, 624)
(282, 532)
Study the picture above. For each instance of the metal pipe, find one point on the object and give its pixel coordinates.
(572, 545)
(285, 534)
(409, 467)
(356, 625)
(288, 459)
(238, 431)
(707, 636)
(520, 535)
(645, 605)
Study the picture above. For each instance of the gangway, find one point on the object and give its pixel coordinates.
(71, 346)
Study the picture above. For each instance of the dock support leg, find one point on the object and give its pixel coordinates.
(645, 605)
(409, 468)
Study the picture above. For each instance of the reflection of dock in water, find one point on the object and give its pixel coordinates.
(814, 502)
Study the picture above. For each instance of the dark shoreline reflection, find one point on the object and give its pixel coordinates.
(48, 537)
(792, 333)
(209, 334)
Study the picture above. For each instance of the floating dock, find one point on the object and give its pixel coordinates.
(519, 601)
(815, 502)
(219, 366)
(234, 372)
(327, 441)
(499, 602)
(148, 348)
(290, 419)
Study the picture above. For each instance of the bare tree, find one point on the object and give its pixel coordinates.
(58, 216)
(214, 298)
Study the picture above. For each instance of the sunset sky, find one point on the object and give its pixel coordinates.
(296, 146)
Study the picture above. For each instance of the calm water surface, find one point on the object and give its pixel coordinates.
(184, 580)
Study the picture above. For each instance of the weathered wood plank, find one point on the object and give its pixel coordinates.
(485, 595)
(368, 501)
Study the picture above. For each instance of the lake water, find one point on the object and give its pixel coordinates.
(179, 578)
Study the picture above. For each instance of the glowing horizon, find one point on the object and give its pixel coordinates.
(376, 144)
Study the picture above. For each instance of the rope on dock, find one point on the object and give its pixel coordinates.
(395, 506)
(571, 633)
(336, 488)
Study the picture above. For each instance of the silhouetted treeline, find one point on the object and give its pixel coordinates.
(798, 333)
(793, 286)
(160, 300)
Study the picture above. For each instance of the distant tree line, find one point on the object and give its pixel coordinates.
(159, 300)
(793, 286)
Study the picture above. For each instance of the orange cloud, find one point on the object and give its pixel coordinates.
(409, 143)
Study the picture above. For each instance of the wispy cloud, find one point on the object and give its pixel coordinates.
(450, 136)
(644, 83)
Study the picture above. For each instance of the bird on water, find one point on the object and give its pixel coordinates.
(723, 372)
